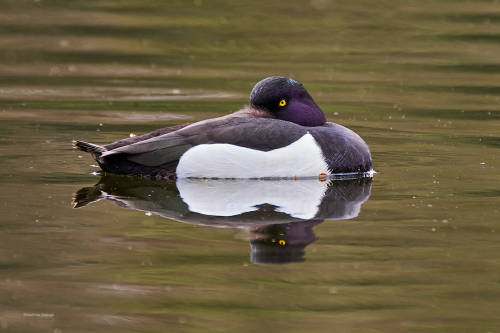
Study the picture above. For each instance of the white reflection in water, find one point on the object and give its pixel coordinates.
(299, 199)
(278, 215)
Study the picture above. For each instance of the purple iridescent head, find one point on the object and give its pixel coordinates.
(286, 99)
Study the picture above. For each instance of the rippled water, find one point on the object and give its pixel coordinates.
(416, 249)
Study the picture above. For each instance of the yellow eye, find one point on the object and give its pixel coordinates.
(282, 103)
(282, 242)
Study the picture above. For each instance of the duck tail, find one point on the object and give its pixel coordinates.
(89, 147)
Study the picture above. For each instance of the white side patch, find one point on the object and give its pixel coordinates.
(302, 158)
(300, 199)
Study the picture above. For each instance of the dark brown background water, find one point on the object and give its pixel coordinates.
(418, 80)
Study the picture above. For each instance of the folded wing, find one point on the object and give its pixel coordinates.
(256, 133)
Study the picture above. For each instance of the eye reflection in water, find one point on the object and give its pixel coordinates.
(278, 215)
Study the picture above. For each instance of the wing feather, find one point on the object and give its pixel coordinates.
(251, 132)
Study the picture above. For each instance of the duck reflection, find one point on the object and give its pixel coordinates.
(278, 215)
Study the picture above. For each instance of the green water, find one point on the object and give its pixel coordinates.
(418, 80)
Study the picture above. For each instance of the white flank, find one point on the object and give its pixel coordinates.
(299, 199)
(302, 158)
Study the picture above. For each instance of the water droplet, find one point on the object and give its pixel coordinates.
(62, 42)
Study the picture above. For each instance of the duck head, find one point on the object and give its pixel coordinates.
(286, 99)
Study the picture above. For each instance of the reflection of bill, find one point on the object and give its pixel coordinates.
(278, 214)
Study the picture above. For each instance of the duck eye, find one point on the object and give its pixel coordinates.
(282, 103)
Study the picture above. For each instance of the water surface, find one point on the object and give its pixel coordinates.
(418, 80)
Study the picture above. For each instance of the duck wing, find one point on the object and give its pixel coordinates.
(138, 138)
(251, 132)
